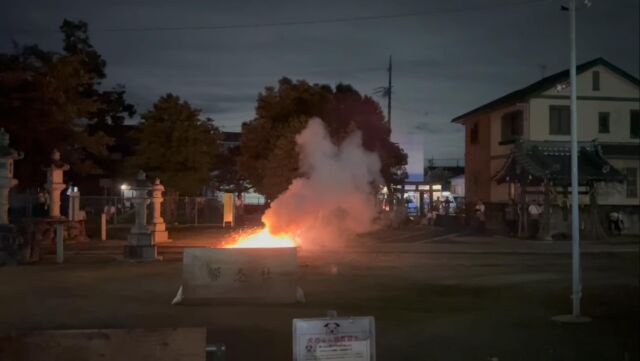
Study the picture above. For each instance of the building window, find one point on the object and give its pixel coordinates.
(632, 182)
(559, 120)
(473, 134)
(512, 125)
(603, 122)
(634, 123)
(595, 80)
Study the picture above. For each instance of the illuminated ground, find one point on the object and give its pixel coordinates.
(445, 299)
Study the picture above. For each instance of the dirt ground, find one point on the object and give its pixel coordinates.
(445, 305)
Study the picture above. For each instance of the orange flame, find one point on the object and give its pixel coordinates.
(262, 239)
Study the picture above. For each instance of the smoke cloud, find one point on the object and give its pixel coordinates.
(334, 199)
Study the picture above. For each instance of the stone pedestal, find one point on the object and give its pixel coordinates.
(158, 228)
(7, 156)
(55, 183)
(74, 206)
(141, 245)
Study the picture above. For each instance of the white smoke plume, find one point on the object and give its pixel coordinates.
(334, 199)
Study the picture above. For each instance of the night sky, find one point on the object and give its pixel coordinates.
(449, 56)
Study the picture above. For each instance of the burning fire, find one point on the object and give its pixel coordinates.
(262, 239)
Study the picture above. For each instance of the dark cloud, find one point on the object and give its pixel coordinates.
(464, 54)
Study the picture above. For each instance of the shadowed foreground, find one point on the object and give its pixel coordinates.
(437, 306)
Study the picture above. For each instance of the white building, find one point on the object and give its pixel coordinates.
(536, 119)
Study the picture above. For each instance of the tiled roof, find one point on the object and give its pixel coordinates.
(552, 161)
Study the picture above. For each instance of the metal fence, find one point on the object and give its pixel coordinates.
(175, 210)
(120, 210)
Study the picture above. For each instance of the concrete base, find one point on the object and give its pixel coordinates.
(140, 239)
(160, 236)
(141, 253)
(571, 319)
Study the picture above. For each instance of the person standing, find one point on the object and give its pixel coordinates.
(480, 216)
(535, 212)
(447, 206)
(616, 223)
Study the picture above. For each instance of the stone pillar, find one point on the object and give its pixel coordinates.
(74, 205)
(140, 242)
(7, 156)
(55, 183)
(158, 228)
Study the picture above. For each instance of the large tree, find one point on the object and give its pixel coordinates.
(226, 177)
(269, 158)
(51, 100)
(177, 145)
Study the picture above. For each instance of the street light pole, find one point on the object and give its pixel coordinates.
(576, 293)
(575, 214)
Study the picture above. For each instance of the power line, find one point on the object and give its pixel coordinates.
(310, 22)
(319, 21)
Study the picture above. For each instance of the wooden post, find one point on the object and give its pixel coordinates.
(596, 231)
(545, 226)
(103, 226)
(196, 211)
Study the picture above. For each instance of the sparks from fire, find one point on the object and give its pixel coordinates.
(262, 238)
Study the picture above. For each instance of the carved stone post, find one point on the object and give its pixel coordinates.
(158, 228)
(55, 183)
(141, 245)
(7, 156)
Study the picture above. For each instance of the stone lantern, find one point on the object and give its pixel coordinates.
(55, 183)
(140, 242)
(7, 156)
(158, 228)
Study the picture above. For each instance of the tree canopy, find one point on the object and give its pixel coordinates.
(52, 100)
(269, 158)
(226, 177)
(177, 145)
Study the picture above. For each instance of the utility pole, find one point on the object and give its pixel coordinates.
(576, 293)
(385, 91)
(389, 87)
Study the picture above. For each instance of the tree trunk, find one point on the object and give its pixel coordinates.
(545, 226)
(595, 231)
(522, 215)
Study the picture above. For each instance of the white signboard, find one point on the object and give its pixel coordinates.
(335, 339)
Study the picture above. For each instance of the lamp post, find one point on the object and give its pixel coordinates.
(576, 294)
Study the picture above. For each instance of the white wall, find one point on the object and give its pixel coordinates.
(619, 120)
(611, 85)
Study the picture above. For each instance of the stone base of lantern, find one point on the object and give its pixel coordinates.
(140, 247)
(159, 233)
(140, 239)
(141, 253)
